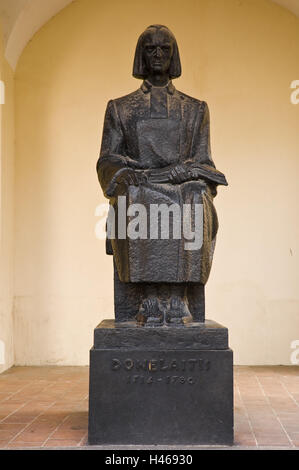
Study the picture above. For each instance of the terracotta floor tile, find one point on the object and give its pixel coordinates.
(22, 445)
(291, 428)
(11, 427)
(14, 400)
(61, 443)
(49, 406)
(287, 415)
(8, 388)
(53, 417)
(244, 439)
(71, 399)
(4, 435)
(295, 394)
(32, 435)
(8, 431)
(5, 396)
(67, 434)
(4, 444)
(272, 441)
(7, 410)
(20, 418)
(35, 406)
(41, 428)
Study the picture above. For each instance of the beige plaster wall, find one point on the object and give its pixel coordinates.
(238, 55)
(6, 213)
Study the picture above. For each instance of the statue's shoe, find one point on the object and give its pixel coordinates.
(177, 311)
(151, 312)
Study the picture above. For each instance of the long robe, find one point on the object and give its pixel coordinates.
(153, 128)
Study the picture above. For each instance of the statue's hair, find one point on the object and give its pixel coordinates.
(139, 68)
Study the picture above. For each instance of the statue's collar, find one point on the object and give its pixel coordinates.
(147, 86)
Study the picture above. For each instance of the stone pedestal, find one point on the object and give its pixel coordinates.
(164, 386)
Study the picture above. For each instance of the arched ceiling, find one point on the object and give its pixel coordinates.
(21, 19)
(292, 5)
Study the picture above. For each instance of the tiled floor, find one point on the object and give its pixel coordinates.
(47, 407)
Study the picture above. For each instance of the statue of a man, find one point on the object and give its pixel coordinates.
(156, 153)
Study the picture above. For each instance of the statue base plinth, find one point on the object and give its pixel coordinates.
(162, 385)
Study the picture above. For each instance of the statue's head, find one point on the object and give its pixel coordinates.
(157, 53)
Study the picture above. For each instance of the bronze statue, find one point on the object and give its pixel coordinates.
(156, 151)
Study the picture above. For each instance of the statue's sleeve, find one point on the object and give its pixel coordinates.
(201, 158)
(201, 146)
(112, 161)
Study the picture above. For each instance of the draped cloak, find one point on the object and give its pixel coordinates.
(155, 127)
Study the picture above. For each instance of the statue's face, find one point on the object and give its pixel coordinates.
(157, 51)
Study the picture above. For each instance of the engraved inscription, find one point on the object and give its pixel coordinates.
(169, 379)
(156, 365)
(174, 371)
